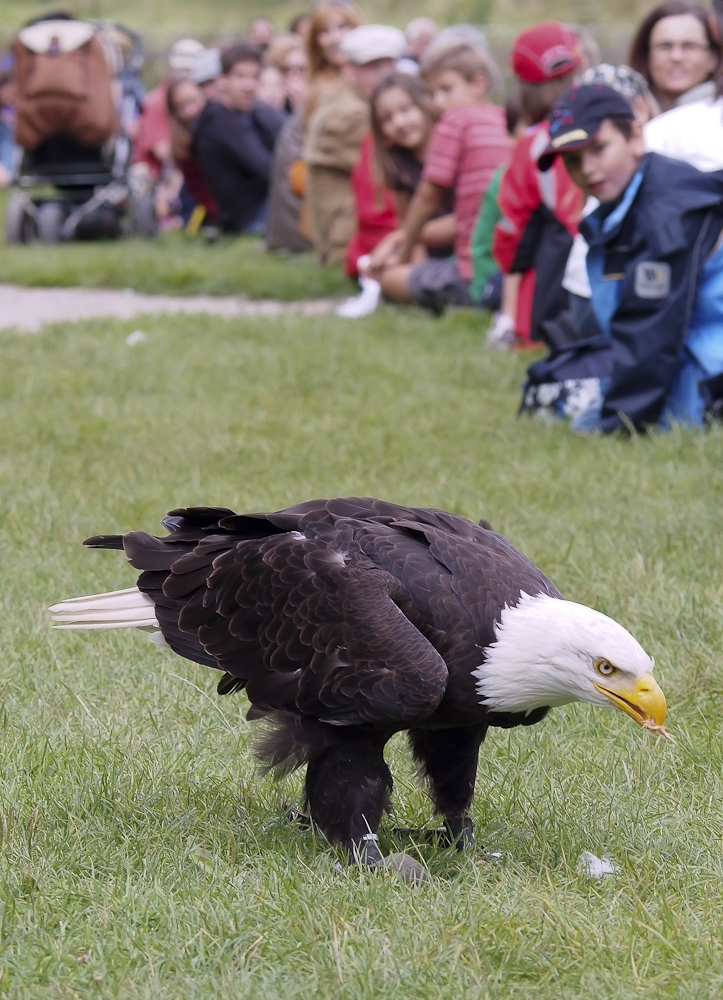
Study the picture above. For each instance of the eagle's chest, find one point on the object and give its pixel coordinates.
(460, 705)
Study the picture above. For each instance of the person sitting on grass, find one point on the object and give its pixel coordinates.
(465, 149)
(376, 219)
(261, 33)
(207, 74)
(186, 101)
(271, 89)
(9, 152)
(402, 122)
(539, 216)
(282, 230)
(335, 133)
(655, 264)
(152, 138)
(287, 54)
(233, 143)
(490, 288)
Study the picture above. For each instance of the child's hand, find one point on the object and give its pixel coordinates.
(385, 252)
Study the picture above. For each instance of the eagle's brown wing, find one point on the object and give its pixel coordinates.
(309, 624)
(350, 610)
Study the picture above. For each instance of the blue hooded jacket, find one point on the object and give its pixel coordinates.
(646, 267)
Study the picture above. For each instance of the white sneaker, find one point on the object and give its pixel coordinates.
(363, 304)
(501, 333)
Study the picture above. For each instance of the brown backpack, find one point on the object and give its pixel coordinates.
(64, 83)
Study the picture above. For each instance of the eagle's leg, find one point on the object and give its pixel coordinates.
(348, 789)
(448, 758)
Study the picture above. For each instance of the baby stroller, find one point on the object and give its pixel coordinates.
(78, 87)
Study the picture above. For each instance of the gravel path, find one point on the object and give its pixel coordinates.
(27, 309)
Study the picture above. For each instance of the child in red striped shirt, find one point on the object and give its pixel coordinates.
(467, 146)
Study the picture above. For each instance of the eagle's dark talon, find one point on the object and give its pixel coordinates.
(298, 818)
(366, 851)
(461, 832)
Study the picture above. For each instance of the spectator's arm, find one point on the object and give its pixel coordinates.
(269, 122)
(518, 199)
(337, 139)
(426, 201)
(647, 337)
(385, 253)
(248, 150)
(483, 263)
(510, 294)
(401, 203)
(439, 232)
(162, 150)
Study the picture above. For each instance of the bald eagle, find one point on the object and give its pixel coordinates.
(349, 620)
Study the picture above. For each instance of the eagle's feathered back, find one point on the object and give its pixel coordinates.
(350, 610)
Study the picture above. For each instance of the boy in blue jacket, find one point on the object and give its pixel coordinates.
(655, 264)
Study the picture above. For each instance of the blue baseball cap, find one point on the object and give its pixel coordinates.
(577, 115)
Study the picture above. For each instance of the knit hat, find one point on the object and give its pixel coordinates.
(624, 79)
(545, 52)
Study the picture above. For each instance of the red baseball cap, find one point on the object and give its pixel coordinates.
(545, 52)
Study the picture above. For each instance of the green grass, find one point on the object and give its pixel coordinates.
(173, 264)
(143, 857)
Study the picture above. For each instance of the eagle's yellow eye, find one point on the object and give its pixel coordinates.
(605, 667)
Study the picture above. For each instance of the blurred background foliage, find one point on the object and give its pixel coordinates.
(161, 22)
(229, 15)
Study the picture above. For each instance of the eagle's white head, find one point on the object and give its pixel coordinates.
(550, 652)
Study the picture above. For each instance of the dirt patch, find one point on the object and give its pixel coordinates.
(28, 309)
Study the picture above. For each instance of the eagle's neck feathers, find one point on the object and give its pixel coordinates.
(544, 655)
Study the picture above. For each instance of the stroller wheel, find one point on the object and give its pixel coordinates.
(19, 223)
(49, 221)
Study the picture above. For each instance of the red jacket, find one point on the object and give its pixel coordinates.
(375, 210)
(198, 188)
(523, 190)
(154, 126)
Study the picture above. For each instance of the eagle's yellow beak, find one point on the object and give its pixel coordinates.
(644, 702)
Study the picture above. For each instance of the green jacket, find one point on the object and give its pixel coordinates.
(483, 263)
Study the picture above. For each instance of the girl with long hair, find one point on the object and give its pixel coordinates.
(401, 124)
(328, 25)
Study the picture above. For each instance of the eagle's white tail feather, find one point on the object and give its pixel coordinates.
(130, 597)
(117, 609)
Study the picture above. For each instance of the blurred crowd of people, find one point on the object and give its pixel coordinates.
(386, 150)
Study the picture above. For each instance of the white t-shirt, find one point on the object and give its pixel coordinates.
(576, 280)
(692, 132)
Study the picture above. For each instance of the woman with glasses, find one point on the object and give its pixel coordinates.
(288, 55)
(678, 50)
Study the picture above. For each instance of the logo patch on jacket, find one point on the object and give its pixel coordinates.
(652, 279)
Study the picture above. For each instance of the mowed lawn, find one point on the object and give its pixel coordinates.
(142, 856)
(173, 264)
